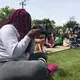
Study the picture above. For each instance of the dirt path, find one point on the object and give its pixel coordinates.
(58, 48)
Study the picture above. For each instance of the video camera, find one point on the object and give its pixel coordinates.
(42, 31)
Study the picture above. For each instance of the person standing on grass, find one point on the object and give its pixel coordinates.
(17, 58)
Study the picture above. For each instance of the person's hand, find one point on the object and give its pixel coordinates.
(34, 33)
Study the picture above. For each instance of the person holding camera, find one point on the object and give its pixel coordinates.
(17, 58)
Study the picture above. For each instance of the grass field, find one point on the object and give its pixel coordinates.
(68, 62)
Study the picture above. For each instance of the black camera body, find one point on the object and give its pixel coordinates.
(42, 31)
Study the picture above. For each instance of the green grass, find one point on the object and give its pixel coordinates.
(68, 62)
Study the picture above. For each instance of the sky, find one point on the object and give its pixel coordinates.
(58, 10)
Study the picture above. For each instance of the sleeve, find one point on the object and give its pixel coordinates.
(11, 44)
(32, 49)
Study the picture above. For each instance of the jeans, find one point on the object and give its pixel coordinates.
(24, 70)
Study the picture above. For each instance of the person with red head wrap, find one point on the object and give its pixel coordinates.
(17, 58)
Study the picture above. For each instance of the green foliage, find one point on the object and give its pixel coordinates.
(4, 13)
(36, 22)
(53, 23)
(45, 23)
(70, 25)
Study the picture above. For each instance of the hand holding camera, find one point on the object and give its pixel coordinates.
(34, 33)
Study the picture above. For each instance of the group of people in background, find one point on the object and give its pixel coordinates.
(53, 40)
(74, 40)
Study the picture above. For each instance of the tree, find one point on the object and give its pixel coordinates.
(46, 24)
(70, 25)
(36, 22)
(4, 13)
(53, 23)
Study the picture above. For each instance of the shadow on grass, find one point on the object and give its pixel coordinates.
(51, 78)
(61, 72)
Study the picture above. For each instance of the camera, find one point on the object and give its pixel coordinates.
(42, 31)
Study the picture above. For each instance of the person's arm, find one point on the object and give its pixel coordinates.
(10, 42)
(32, 49)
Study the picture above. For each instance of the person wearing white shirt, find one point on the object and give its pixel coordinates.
(17, 57)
